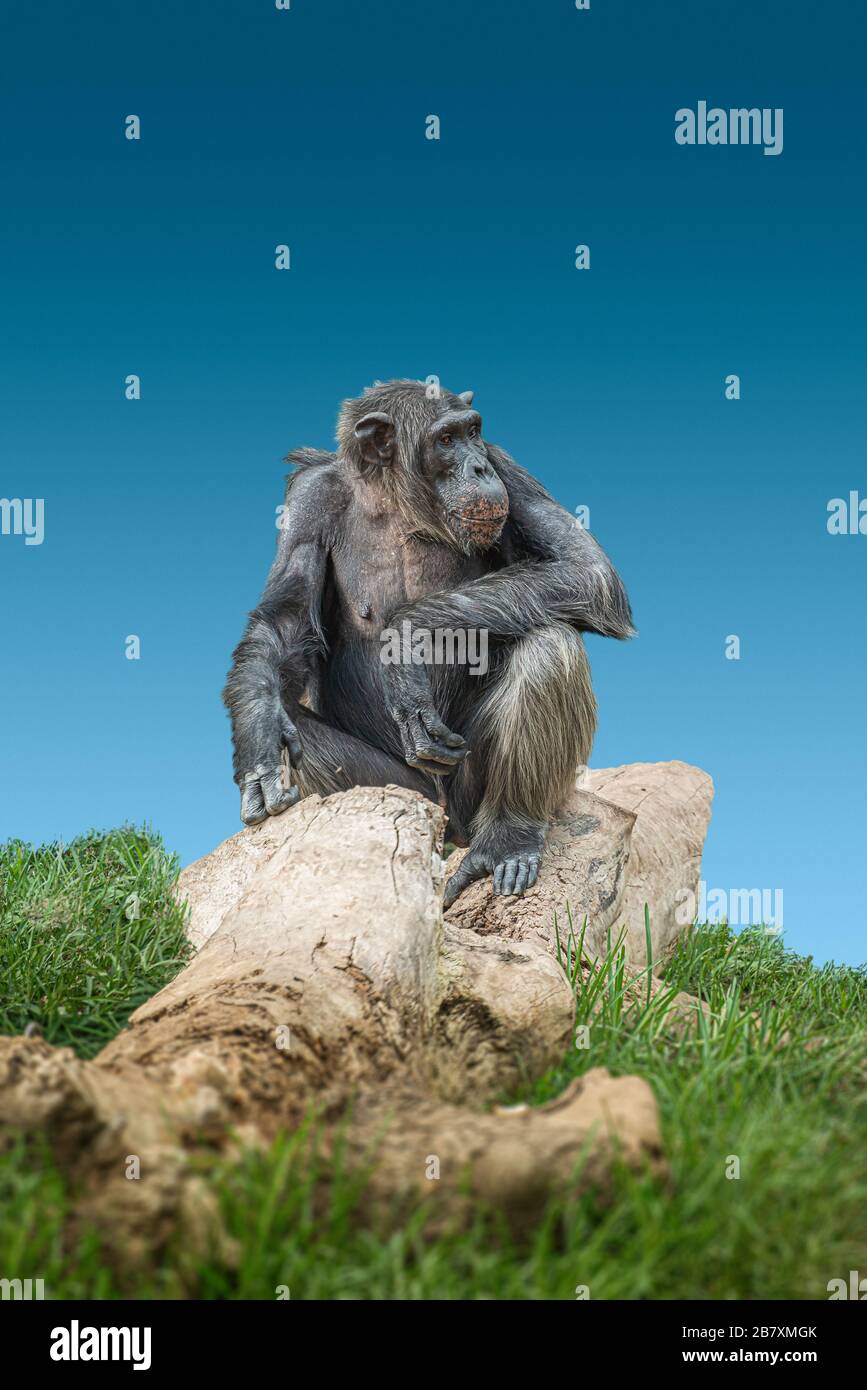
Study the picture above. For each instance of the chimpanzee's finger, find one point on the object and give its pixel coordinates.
(277, 797)
(252, 803)
(292, 741)
(437, 753)
(523, 874)
(438, 730)
(533, 863)
(421, 749)
(498, 878)
(466, 873)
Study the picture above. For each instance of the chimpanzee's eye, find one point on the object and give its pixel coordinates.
(445, 439)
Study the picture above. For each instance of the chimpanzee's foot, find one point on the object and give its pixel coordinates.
(512, 853)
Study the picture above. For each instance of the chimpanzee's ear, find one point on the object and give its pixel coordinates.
(466, 397)
(375, 434)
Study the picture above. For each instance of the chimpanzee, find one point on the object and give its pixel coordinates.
(417, 525)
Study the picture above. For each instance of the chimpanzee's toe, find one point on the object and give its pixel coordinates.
(513, 876)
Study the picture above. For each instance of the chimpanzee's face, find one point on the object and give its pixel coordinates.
(468, 492)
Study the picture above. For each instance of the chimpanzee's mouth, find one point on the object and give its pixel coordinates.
(486, 514)
(483, 523)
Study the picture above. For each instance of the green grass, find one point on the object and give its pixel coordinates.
(776, 1079)
(88, 932)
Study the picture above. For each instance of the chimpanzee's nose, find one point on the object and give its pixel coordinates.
(481, 469)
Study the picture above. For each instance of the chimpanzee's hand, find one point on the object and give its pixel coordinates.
(262, 790)
(427, 743)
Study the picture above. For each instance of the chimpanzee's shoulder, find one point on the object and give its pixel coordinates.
(319, 480)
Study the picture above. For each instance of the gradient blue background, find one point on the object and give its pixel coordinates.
(412, 257)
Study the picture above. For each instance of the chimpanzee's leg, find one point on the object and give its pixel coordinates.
(333, 761)
(533, 724)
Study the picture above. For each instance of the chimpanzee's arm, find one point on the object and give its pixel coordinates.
(272, 662)
(561, 574)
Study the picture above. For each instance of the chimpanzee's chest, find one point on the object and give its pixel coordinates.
(380, 568)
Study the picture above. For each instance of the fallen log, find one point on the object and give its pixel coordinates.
(331, 983)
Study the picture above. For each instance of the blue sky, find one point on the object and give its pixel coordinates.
(453, 257)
